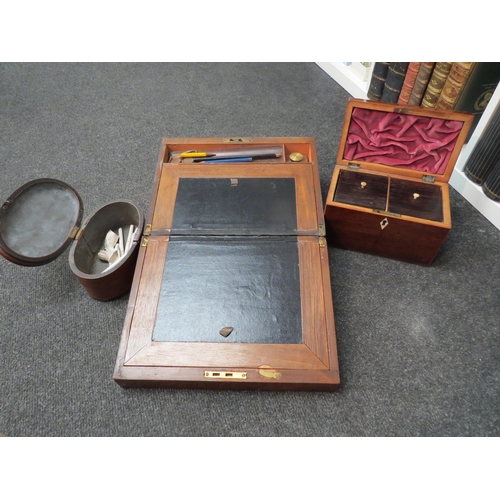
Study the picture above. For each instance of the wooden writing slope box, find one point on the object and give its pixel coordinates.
(232, 286)
(389, 194)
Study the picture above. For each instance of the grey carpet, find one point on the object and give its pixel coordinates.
(418, 346)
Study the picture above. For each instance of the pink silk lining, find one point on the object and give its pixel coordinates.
(398, 140)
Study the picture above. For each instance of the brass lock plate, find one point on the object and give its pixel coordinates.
(226, 375)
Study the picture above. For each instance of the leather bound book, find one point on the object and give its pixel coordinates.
(459, 74)
(436, 83)
(377, 81)
(477, 91)
(486, 152)
(491, 186)
(394, 82)
(423, 76)
(409, 82)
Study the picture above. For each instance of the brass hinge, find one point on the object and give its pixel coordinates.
(76, 232)
(145, 240)
(322, 242)
(147, 229)
(428, 178)
(402, 111)
(353, 166)
(321, 230)
(384, 212)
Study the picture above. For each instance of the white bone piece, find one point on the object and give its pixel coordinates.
(110, 240)
(120, 241)
(130, 238)
(115, 255)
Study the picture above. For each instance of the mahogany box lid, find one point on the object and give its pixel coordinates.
(412, 141)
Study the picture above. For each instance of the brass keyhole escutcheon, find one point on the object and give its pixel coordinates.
(363, 185)
(384, 223)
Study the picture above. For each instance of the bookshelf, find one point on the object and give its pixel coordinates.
(468, 189)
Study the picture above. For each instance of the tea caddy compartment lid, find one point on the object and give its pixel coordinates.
(38, 222)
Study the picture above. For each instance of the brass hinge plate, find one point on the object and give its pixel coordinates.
(428, 178)
(383, 212)
(353, 166)
(145, 240)
(322, 242)
(321, 230)
(147, 229)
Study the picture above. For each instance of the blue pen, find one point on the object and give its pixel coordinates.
(227, 160)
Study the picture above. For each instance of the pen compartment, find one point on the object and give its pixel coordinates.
(237, 149)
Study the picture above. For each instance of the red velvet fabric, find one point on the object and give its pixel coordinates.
(406, 141)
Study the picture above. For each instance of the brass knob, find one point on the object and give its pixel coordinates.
(296, 156)
(415, 196)
(363, 185)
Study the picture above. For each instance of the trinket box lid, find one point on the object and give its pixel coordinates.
(38, 222)
(405, 140)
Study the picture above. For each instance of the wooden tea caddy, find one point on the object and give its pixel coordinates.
(232, 285)
(389, 193)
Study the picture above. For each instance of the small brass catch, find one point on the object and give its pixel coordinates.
(234, 182)
(226, 375)
(239, 139)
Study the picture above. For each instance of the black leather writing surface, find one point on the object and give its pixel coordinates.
(256, 206)
(250, 284)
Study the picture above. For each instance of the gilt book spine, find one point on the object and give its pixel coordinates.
(423, 76)
(459, 74)
(394, 82)
(377, 81)
(436, 83)
(409, 82)
(477, 91)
